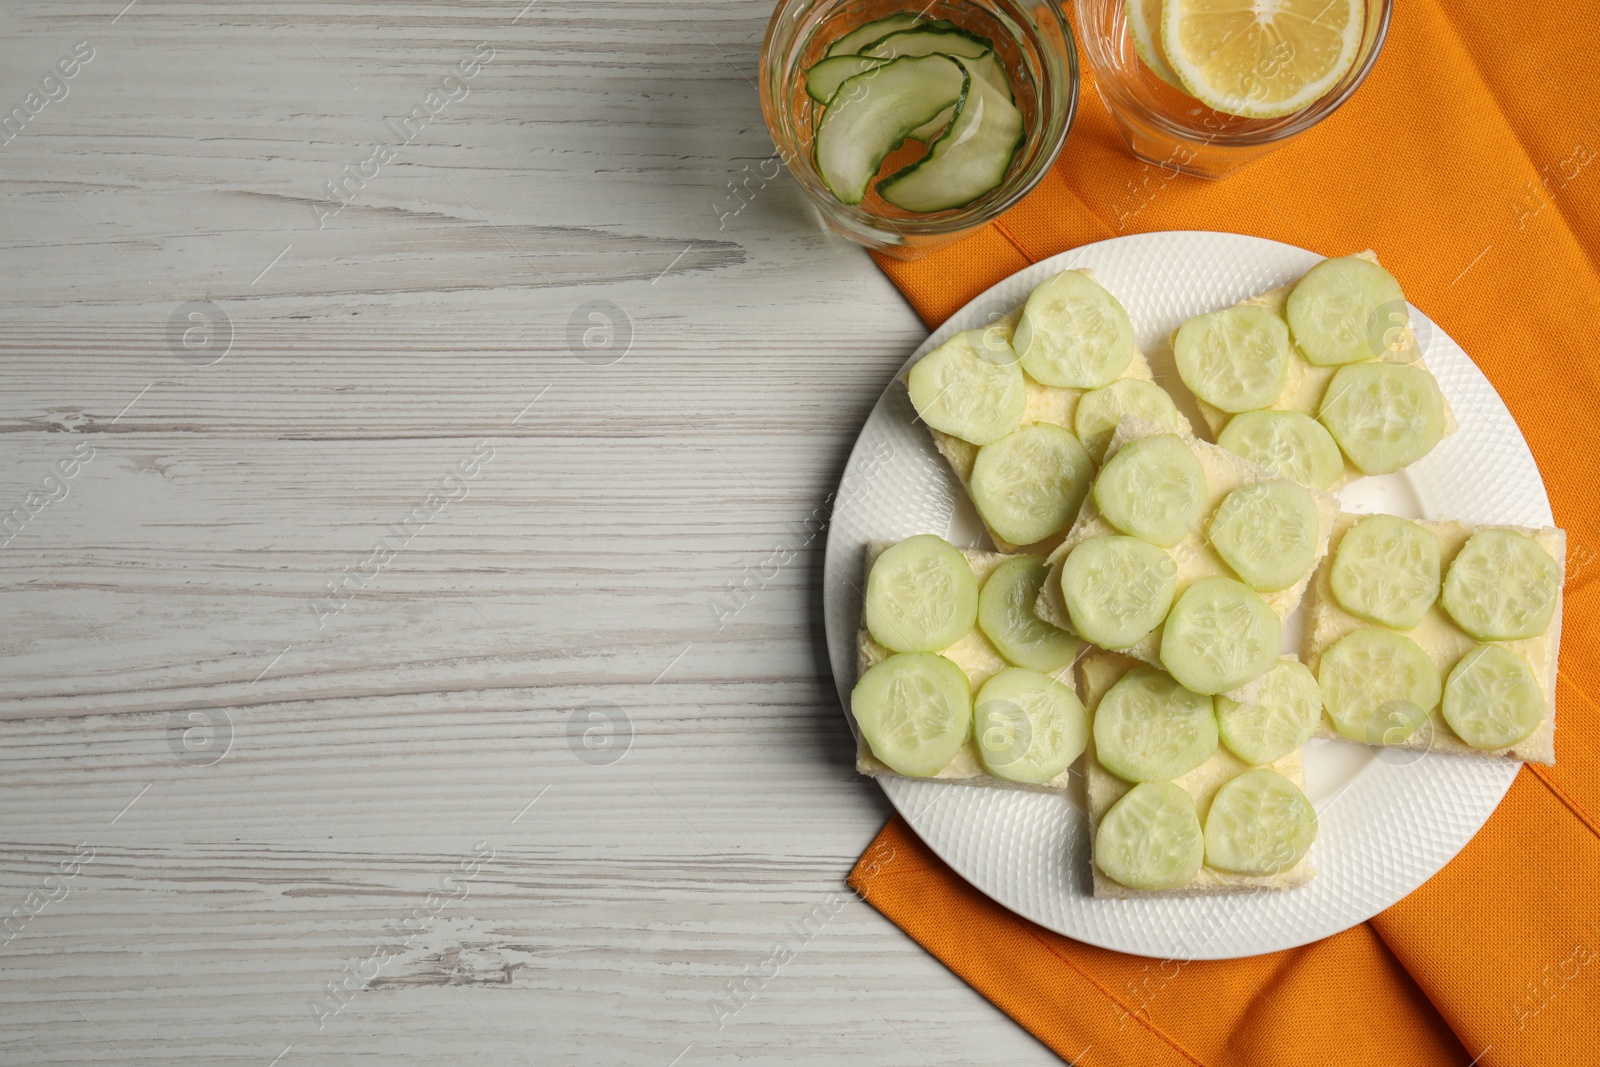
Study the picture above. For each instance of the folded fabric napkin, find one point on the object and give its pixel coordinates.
(1470, 161)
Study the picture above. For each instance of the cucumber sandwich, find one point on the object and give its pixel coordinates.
(1187, 557)
(959, 680)
(1023, 409)
(1321, 380)
(1175, 809)
(1439, 635)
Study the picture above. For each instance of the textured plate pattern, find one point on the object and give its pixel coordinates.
(1389, 819)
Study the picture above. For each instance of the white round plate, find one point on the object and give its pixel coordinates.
(1389, 819)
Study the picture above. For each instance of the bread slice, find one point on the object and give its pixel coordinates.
(1196, 558)
(1444, 641)
(1046, 403)
(1307, 382)
(1099, 672)
(980, 661)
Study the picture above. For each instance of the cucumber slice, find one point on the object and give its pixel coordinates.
(1384, 415)
(1259, 823)
(987, 67)
(1492, 699)
(1007, 618)
(876, 30)
(1386, 571)
(1287, 443)
(921, 596)
(947, 40)
(1501, 586)
(970, 387)
(1073, 333)
(1235, 359)
(1149, 728)
(1029, 727)
(929, 131)
(1117, 589)
(860, 128)
(1377, 685)
(943, 38)
(1153, 488)
(1343, 309)
(915, 710)
(824, 78)
(1281, 711)
(969, 159)
(1029, 484)
(1267, 532)
(1220, 635)
(1100, 410)
(1150, 839)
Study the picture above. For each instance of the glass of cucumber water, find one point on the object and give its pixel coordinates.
(909, 124)
(1206, 86)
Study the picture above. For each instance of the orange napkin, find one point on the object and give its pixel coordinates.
(1470, 161)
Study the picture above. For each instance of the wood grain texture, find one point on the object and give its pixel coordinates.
(174, 590)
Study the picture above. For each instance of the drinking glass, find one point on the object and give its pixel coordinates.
(1032, 40)
(1173, 130)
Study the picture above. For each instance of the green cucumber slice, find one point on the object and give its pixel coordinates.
(1281, 710)
(1029, 727)
(1151, 838)
(1287, 443)
(1492, 699)
(824, 78)
(1153, 488)
(1384, 415)
(1100, 410)
(929, 131)
(921, 596)
(947, 40)
(987, 67)
(1117, 589)
(1386, 571)
(1220, 635)
(1377, 685)
(1073, 333)
(1007, 618)
(1030, 483)
(1150, 728)
(969, 159)
(970, 387)
(1501, 586)
(1260, 823)
(915, 710)
(876, 30)
(1267, 532)
(943, 38)
(861, 128)
(1343, 309)
(1235, 359)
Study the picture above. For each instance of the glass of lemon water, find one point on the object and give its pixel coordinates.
(1206, 86)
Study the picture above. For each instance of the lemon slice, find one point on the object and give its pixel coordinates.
(1259, 59)
(1144, 18)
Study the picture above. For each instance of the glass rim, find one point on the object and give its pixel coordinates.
(773, 86)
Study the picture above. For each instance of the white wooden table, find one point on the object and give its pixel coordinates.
(363, 698)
